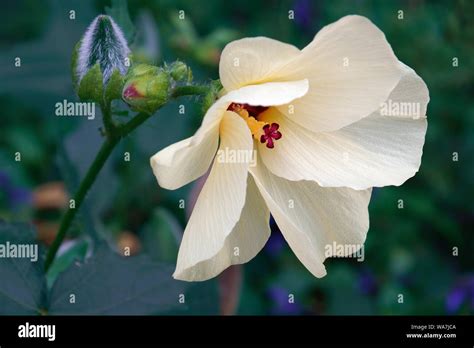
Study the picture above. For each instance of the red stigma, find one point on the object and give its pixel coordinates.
(271, 134)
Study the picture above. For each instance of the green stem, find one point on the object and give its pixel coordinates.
(113, 136)
(84, 187)
(107, 118)
(189, 90)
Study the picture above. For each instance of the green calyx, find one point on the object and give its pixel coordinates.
(91, 87)
(211, 96)
(146, 88)
(180, 72)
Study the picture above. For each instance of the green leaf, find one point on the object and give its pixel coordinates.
(161, 236)
(22, 285)
(200, 299)
(76, 252)
(109, 284)
(91, 87)
(114, 87)
(119, 12)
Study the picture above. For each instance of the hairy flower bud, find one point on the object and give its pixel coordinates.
(103, 43)
(180, 71)
(146, 88)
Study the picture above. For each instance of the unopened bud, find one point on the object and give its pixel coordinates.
(146, 88)
(104, 44)
(180, 71)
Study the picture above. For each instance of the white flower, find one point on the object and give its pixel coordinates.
(103, 43)
(316, 178)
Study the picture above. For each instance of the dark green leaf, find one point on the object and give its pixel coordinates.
(200, 299)
(76, 252)
(114, 87)
(110, 284)
(22, 285)
(161, 236)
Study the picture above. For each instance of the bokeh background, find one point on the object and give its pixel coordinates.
(423, 251)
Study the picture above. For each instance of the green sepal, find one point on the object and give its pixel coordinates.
(114, 87)
(91, 87)
(210, 97)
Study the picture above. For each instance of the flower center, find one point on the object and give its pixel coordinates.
(262, 131)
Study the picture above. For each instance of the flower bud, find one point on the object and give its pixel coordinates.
(104, 44)
(146, 88)
(180, 71)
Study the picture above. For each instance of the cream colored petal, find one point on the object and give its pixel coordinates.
(313, 219)
(351, 70)
(244, 242)
(375, 151)
(219, 205)
(253, 60)
(268, 94)
(187, 160)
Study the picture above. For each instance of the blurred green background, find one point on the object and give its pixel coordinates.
(409, 250)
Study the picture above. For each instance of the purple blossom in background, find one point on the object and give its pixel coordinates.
(462, 293)
(280, 304)
(15, 195)
(307, 15)
(367, 283)
(276, 242)
(454, 300)
(4, 180)
(303, 13)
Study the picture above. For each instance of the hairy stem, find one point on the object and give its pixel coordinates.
(107, 119)
(113, 136)
(189, 90)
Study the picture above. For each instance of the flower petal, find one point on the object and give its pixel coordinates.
(351, 70)
(247, 238)
(269, 94)
(252, 61)
(375, 151)
(311, 217)
(185, 161)
(188, 159)
(218, 207)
